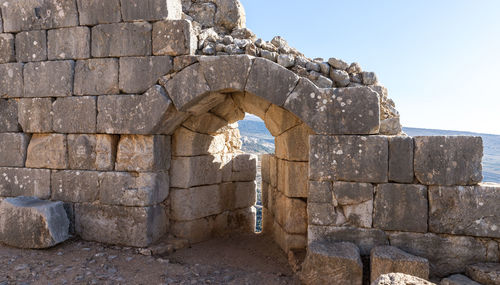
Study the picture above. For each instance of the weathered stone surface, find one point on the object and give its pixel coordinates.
(230, 14)
(206, 123)
(353, 110)
(150, 10)
(264, 167)
(138, 74)
(38, 14)
(332, 263)
(273, 171)
(279, 120)
(186, 87)
(229, 111)
(448, 160)
(188, 143)
(349, 158)
(292, 178)
(458, 279)
(465, 210)
(127, 189)
(143, 153)
(96, 77)
(44, 223)
(322, 214)
(446, 254)
(7, 51)
(226, 73)
(389, 259)
(69, 43)
(121, 39)
(13, 147)
(244, 167)
(11, 80)
(359, 215)
(338, 63)
(47, 151)
(293, 144)
(401, 207)
(252, 104)
(291, 214)
(98, 11)
(484, 273)
(119, 114)
(31, 46)
(195, 203)
(390, 126)
(365, 239)
(401, 159)
(203, 13)
(349, 193)
(271, 81)
(35, 115)
(319, 191)
(75, 186)
(174, 37)
(131, 226)
(8, 116)
(92, 152)
(340, 77)
(66, 120)
(48, 79)
(187, 172)
(25, 182)
(400, 279)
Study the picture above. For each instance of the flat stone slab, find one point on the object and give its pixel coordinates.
(400, 279)
(387, 259)
(484, 273)
(28, 222)
(458, 279)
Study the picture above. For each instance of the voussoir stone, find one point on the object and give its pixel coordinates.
(48, 79)
(96, 77)
(143, 153)
(28, 222)
(25, 182)
(226, 73)
(294, 143)
(388, 259)
(47, 151)
(400, 279)
(13, 147)
(11, 80)
(484, 273)
(121, 39)
(186, 87)
(174, 37)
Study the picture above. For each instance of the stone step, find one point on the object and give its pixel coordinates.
(484, 273)
(390, 259)
(458, 279)
(400, 279)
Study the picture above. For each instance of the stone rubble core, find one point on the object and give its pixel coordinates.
(126, 111)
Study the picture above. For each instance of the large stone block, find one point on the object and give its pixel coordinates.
(121, 39)
(401, 207)
(446, 254)
(68, 43)
(195, 203)
(465, 210)
(38, 14)
(287, 241)
(75, 186)
(271, 81)
(458, 279)
(150, 10)
(28, 222)
(293, 145)
(238, 195)
(174, 37)
(279, 120)
(92, 152)
(133, 190)
(230, 14)
(358, 215)
(291, 214)
(13, 147)
(349, 158)
(131, 226)
(7, 51)
(244, 167)
(388, 259)
(48, 79)
(188, 143)
(448, 160)
(11, 80)
(349, 193)
(143, 153)
(138, 74)
(353, 110)
(66, 120)
(25, 182)
(401, 159)
(323, 214)
(94, 12)
(35, 114)
(96, 77)
(484, 273)
(226, 73)
(8, 116)
(332, 263)
(264, 167)
(273, 171)
(320, 192)
(31, 46)
(187, 172)
(292, 178)
(47, 151)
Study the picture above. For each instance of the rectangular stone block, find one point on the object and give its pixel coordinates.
(293, 144)
(128, 189)
(273, 171)
(7, 51)
(189, 143)
(47, 151)
(238, 195)
(150, 10)
(174, 37)
(291, 214)
(143, 153)
(465, 210)
(287, 241)
(448, 160)
(68, 43)
(187, 172)
(138, 74)
(265, 193)
(13, 147)
(359, 215)
(292, 178)
(195, 203)
(92, 152)
(31, 46)
(25, 182)
(244, 167)
(349, 193)
(349, 158)
(130, 226)
(48, 79)
(93, 12)
(320, 192)
(401, 159)
(121, 39)
(35, 115)
(96, 77)
(38, 14)
(11, 80)
(8, 116)
(264, 167)
(389, 259)
(322, 214)
(75, 186)
(66, 120)
(401, 207)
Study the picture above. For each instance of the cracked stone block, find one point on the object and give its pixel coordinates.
(31, 46)
(121, 39)
(43, 223)
(8, 116)
(292, 178)
(448, 160)
(75, 186)
(95, 12)
(244, 167)
(35, 115)
(92, 152)
(96, 77)
(13, 147)
(150, 10)
(7, 51)
(11, 80)
(66, 120)
(293, 145)
(47, 151)
(68, 43)
(484, 273)
(25, 182)
(143, 153)
(138, 74)
(387, 259)
(174, 37)
(48, 79)
(401, 159)
(188, 143)
(187, 172)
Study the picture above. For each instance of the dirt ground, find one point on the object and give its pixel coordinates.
(239, 259)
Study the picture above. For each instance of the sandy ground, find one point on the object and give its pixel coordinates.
(241, 259)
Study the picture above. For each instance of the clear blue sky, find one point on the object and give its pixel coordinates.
(439, 59)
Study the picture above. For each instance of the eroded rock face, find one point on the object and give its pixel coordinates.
(484, 273)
